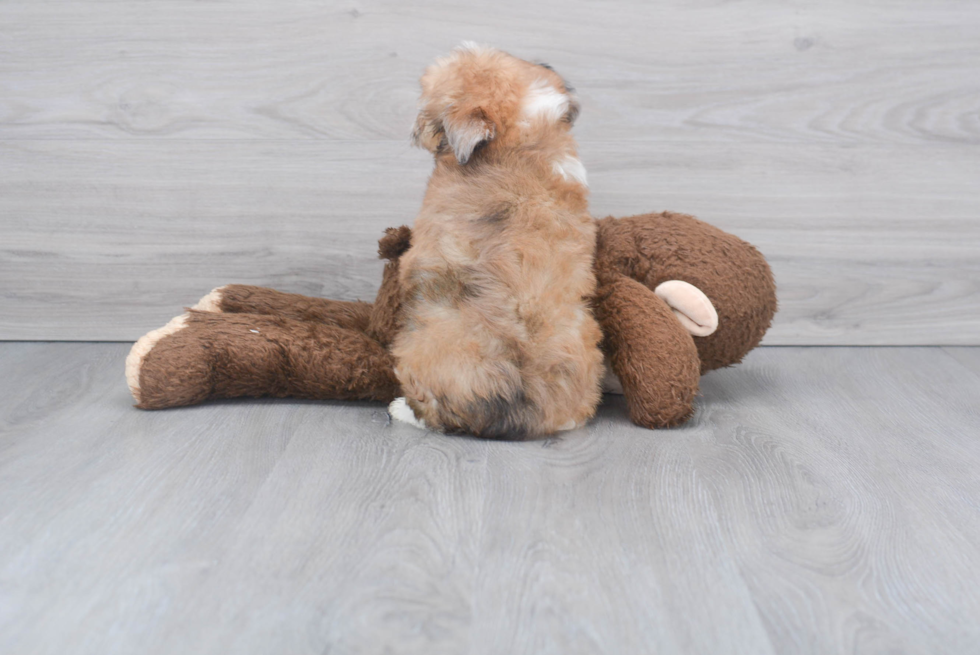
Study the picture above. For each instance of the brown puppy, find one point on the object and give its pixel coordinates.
(498, 339)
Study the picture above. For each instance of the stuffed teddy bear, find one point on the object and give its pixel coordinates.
(675, 298)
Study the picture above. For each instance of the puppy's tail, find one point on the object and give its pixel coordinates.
(508, 416)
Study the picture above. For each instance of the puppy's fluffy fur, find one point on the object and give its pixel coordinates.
(498, 339)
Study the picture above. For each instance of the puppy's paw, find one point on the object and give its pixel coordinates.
(210, 302)
(690, 305)
(139, 351)
(400, 411)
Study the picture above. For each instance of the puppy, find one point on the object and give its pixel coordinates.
(497, 338)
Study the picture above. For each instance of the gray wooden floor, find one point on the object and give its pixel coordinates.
(822, 500)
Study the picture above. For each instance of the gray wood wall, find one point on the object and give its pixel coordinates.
(151, 150)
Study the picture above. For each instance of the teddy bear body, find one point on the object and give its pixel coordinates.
(250, 341)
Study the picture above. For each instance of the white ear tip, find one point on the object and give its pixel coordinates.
(692, 308)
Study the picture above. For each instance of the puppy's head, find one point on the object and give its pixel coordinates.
(478, 96)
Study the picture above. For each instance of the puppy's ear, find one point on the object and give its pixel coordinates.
(461, 130)
(467, 129)
(572, 112)
(427, 132)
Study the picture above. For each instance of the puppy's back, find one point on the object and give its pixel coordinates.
(498, 340)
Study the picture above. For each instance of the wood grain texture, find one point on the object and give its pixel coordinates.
(808, 72)
(153, 150)
(822, 500)
(107, 240)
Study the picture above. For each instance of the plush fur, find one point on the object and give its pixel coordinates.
(253, 341)
(498, 339)
(655, 248)
(325, 349)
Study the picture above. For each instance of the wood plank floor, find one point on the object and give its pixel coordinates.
(153, 149)
(822, 500)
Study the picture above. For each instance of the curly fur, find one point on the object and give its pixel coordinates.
(497, 338)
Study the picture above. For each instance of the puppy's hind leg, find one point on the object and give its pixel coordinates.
(399, 410)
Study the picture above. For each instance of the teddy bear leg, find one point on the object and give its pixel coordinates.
(248, 299)
(652, 354)
(204, 355)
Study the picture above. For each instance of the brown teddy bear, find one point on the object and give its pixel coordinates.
(676, 297)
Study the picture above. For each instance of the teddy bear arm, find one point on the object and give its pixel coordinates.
(652, 354)
(248, 299)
